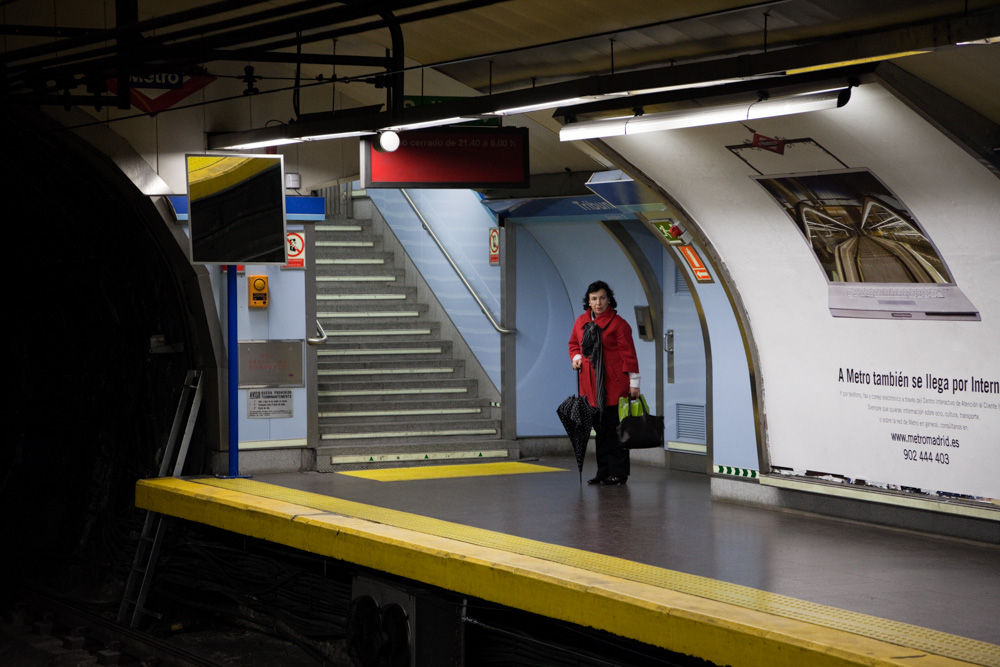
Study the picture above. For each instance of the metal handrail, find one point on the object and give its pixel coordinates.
(461, 276)
(322, 335)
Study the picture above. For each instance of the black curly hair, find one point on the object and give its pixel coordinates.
(597, 286)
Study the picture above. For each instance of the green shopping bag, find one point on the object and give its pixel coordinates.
(632, 407)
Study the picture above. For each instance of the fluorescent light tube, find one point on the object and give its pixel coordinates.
(261, 144)
(687, 86)
(338, 135)
(540, 106)
(428, 123)
(726, 113)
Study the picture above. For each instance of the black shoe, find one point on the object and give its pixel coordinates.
(614, 480)
(596, 480)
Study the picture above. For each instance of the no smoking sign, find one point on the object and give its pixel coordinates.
(296, 251)
(494, 246)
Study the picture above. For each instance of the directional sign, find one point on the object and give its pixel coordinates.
(168, 96)
(698, 268)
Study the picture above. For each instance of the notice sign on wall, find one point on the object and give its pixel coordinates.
(271, 363)
(933, 430)
(494, 246)
(449, 157)
(269, 404)
(296, 251)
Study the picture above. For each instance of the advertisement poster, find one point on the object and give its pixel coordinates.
(923, 428)
(877, 259)
(929, 419)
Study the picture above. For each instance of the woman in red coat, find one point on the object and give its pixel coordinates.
(601, 348)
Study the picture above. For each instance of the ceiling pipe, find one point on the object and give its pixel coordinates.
(394, 89)
(126, 14)
(186, 45)
(100, 36)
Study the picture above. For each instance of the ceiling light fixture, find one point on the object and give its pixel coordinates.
(691, 86)
(388, 142)
(725, 113)
(267, 143)
(541, 106)
(428, 123)
(338, 135)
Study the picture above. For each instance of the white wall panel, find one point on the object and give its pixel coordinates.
(811, 424)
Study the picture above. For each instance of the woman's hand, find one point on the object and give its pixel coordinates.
(577, 364)
(633, 392)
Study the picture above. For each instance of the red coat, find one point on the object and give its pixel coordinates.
(619, 356)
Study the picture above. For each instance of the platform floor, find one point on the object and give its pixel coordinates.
(777, 585)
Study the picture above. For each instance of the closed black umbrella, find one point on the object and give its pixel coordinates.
(577, 417)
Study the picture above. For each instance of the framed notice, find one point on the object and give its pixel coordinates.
(271, 363)
(270, 404)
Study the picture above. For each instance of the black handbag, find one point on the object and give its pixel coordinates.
(640, 431)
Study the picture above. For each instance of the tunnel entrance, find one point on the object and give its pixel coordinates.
(100, 340)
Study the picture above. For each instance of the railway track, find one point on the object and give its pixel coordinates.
(42, 630)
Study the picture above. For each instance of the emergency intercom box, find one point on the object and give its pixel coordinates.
(644, 322)
(259, 294)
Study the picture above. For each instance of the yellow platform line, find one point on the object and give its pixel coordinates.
(446, 471)
(718, 621)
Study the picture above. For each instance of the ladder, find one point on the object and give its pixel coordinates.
(132, 606)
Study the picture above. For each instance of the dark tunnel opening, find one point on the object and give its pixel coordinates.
(94, 389)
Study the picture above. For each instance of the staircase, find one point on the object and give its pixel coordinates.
(390, 388)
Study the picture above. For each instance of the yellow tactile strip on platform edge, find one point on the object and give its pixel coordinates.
(917, 639)
(447, 471)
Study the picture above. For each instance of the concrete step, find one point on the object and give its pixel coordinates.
(379, 413)
(364, 332)
(427, 369)
(337, 351)
(344, 456)
(341, 225)
(352, 256)
(406, 359)
(373, 321)
(347, 232)
(345, 271)
(353, 242)
(410, 433)
(353, 404)
(375, 313)
(352, 275)
(390, 390)
(365, 293)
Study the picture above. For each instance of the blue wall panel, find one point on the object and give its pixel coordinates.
(462, 224)
(579, 253)
(544, 315)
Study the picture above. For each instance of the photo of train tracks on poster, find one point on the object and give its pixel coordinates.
(878, 260)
